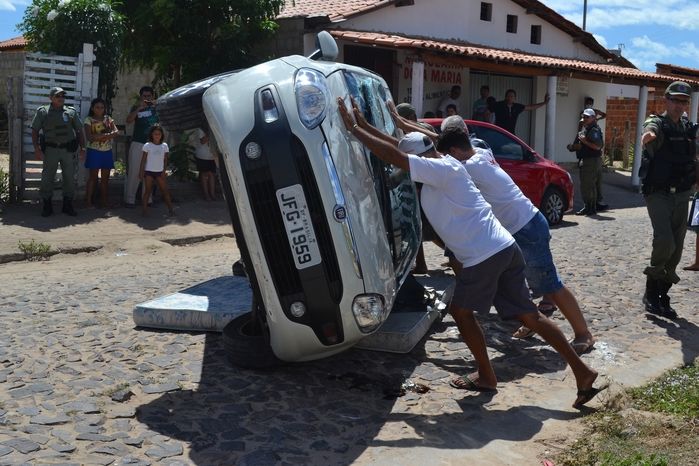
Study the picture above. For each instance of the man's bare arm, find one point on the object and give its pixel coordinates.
(386, 151)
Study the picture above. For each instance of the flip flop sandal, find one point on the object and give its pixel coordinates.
(523, 332)
(584, 396)
(582, 347)
(469, 384)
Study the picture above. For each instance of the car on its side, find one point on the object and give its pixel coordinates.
(546, 184)
(327, 231)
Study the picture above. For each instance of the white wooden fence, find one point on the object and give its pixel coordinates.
(79, 77)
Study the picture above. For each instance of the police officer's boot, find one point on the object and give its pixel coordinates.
(47, 209)
(667, 310)
(68, 207)
(651, 298)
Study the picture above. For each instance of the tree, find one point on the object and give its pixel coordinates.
(61, 27)
(185, 40)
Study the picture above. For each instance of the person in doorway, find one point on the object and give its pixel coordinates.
(152, 168)
(206, 166)
(451, 99)
(100, 130)
(590, 162)
(507, 111)
(56, 136)
(451, 110)
(669, 171)
(481, 111)
(525, 223)
(493, 267)
(143, 116)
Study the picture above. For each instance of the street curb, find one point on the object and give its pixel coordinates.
(19, 257)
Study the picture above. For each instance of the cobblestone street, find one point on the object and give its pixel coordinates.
(80, 385)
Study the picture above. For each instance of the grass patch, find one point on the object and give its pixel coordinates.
(658, 426)
(34, 250)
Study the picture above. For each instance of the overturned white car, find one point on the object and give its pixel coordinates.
(327, 231)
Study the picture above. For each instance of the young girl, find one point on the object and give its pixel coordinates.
(205, 165)
(153, 164)
(100, 130)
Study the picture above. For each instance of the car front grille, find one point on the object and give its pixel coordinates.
(262, 194)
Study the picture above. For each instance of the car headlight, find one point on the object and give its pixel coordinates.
(312, 96)
(369, 311)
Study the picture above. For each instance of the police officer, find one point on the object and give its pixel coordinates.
(590, 161)
(668, 173)
(62, 135)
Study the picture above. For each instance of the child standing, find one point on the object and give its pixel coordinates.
(153, 164)
(205, 165)
(100, 130)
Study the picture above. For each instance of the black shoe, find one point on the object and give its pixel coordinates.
(652, 304)
(666, 309)
(47, 210)
(602, 207)
(239, 268)
(68, 207)
(586, 211)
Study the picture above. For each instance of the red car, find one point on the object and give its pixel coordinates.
(546, 184)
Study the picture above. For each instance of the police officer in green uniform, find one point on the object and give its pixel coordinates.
(668, 171)
(590, 161)
(62, 135)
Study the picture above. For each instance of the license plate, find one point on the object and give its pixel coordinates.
(298, 225)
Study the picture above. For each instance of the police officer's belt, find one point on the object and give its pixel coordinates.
(65, 145)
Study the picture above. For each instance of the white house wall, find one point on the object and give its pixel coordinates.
(460, 20)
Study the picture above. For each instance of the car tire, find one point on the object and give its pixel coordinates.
(247, 348)
(553, 205)
(181, 109)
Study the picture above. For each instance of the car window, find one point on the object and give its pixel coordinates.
(503, 146)
(394, 188)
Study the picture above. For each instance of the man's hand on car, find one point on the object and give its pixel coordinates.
(345, 115)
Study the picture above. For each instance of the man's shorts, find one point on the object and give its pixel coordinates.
(533, 239)
(497, 281)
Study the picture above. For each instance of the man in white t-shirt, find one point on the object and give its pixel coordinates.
(451, 99)
(493, 267)
(525, 223)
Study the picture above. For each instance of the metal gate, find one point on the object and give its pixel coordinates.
(498, 85)
(79, 77)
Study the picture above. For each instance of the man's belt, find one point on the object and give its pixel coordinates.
(58, 146)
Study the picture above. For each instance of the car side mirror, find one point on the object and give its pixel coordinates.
(529, 156)
(326, 47)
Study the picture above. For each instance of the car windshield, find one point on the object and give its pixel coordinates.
(393, 186)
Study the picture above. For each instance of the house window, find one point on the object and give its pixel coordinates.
(486, 11)
(536, 35)
(512, 24)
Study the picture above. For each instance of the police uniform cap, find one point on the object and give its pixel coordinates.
(679, 88)
(55, 91)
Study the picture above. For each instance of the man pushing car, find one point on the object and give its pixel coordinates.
(492, 265)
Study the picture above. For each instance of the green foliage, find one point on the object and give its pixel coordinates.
(4, 186)
(182, 157)
(637, 459)
(34, 251)
(185, 40)
(61, 27)
(676, 392)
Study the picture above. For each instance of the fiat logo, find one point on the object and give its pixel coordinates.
(340, 213)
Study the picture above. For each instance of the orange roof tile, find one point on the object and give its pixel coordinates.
(334, 9)
(16, 43)
(501, 56)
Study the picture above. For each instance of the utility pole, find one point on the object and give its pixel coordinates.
(584, 14)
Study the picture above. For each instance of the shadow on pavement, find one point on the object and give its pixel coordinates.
(683, 331)
(330, 411)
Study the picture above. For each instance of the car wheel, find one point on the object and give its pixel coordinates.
(553, 205)
(247, 345)
(181, 109)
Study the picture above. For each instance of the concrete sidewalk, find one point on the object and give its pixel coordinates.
(97, 228)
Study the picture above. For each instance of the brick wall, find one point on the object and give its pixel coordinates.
(621, 119)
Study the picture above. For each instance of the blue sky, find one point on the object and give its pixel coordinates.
(651, 31)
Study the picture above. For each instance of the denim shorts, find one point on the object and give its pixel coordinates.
(533, 239)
